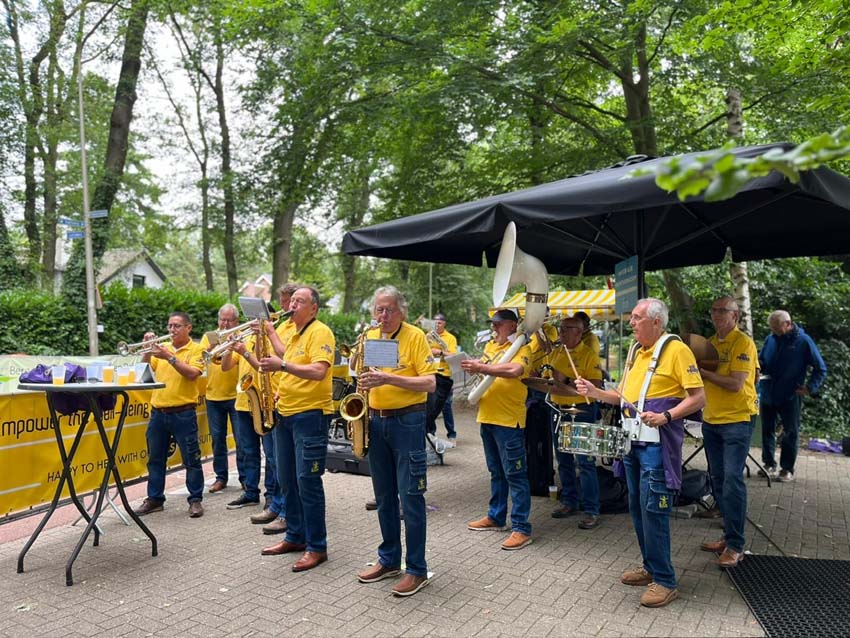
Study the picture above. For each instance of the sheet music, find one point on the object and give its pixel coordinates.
(454, 362)
(380, 353)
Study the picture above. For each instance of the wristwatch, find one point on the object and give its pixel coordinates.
(669, 418)
(283, 366)
(173, 359)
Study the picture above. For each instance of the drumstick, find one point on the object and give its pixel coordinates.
(575, 372)
(626, 402)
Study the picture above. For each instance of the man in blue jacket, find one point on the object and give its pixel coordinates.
(784, 360)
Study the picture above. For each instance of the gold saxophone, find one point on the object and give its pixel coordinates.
(258, 386)
(354, 408)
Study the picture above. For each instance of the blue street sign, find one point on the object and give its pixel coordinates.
(97, 213)
(75, 234)
(626, 285)
(77, 223)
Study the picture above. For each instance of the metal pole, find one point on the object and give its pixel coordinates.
(430, 286)
(91, 310)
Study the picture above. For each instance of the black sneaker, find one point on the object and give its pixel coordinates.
(242, 501)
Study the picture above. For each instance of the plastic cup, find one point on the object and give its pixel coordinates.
(58, 373)
(108, 373)
(93, 373)
(123, 375)
(131, 374)
(553, 492)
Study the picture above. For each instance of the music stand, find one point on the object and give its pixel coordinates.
(254, 308)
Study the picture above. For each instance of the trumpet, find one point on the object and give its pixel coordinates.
(142, 347)
(245, 330)
(215, 355)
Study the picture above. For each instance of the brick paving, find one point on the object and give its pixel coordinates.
(210, 579)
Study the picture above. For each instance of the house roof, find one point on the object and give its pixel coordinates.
(119, 258)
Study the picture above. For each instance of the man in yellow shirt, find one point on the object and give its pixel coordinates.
(501, 413)
(437, 400)
(397, 457)
(178, 365)
(727, 427)
(587, 366)
(220, 398)
(654, 469)
(305, 405)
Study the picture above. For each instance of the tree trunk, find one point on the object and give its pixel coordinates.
(74, 283)
(738, 271)
(355, 217)
(282, 244)
(681, 302)
(227, 172)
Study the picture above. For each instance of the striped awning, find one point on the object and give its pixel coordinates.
(598, 304)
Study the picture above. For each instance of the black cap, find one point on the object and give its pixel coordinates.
(504, 315)
(440, 317)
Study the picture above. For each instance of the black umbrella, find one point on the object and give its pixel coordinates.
(588, 223)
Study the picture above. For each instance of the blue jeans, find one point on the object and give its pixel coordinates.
(273, 490)
(248, 454)
(449, 417)
(789, 413)
(398, 463)
(504, 451)
(301, 447)
(650, 503)
(567, 473)
(436, 402)
(726, 447)
(217, 414)
(184, 427)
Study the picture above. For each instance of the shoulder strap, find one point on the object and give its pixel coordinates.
(653, 365)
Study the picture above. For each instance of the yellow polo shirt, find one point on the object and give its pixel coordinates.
(504, 401)
(221, 386)
(592, 341)
(312, 344)
(414, 360)
(587, 365)
(676, 372)
(451, 343)
(178, 389)
(737, 354)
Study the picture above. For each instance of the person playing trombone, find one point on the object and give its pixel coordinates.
(178, 365)
(442, 343)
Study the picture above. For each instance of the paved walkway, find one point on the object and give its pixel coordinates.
(210, 580)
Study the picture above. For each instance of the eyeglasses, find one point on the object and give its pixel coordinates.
(175, 326)
(385, 311)
(715, 311)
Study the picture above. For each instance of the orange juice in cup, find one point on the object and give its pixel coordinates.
(108, 374)
(123, 375)
(58, 373)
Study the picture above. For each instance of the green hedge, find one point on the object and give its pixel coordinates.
(44, 324)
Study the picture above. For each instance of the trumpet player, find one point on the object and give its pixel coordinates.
(501, 413)
(397, 457)
(304, 406)
(178, 365)
(442, 343)
(220, 399)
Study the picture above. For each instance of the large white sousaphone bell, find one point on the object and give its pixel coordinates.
(516, 266)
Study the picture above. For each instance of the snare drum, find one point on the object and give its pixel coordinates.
(592, 439)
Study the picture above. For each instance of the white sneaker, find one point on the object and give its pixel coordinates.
(785, 476)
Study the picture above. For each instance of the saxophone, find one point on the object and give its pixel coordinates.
(259, 388)
(354, 408)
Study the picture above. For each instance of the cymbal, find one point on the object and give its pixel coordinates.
(572, 410)
(551, 386)
(705, 353)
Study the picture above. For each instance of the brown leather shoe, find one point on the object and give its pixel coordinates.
(517, 540)
(277, 526)
(377, 572)
(148, 506)
(713, 546)
(217, 486)
(658, 596)
(409, 585)
(729, 558)
(712, 512)
(309, 560)
(371, 505)
(591, 521)
(636, 577)
(485, 524)
(196, 510)
(283, 547)
(266, 516)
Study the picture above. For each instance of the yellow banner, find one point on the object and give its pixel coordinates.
(29, 454)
